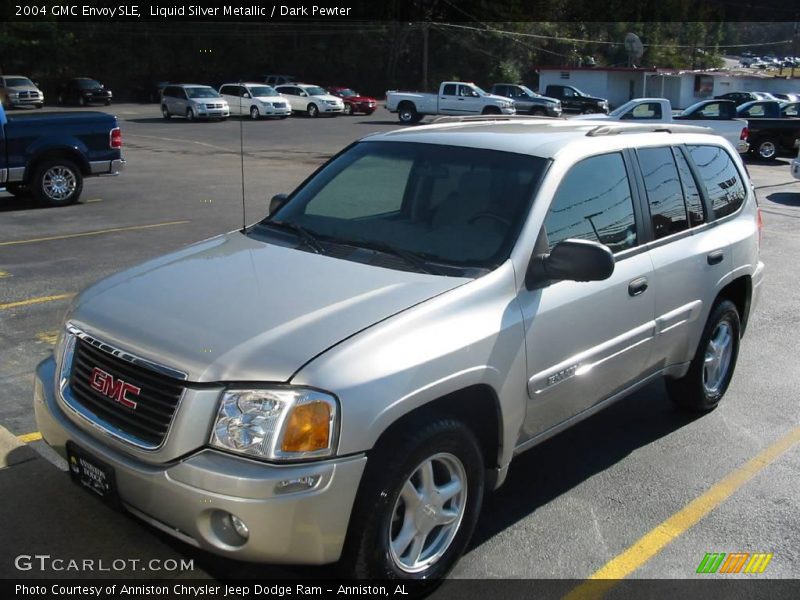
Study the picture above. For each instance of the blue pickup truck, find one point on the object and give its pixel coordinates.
(46, 156)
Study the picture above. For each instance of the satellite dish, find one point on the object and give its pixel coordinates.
(634, 48)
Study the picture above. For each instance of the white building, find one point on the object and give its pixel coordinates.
(681, 88)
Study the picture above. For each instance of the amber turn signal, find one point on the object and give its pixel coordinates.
(307, 428)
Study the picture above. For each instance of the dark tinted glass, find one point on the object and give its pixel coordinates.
(664, 194)
(720, 177)
(449, 90)
(461, 206)
(694, 203)
(594, 203)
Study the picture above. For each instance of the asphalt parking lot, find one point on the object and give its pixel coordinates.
(639, 472)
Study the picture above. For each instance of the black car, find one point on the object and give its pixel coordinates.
(742, 97)
(574, 100)
(83, 91)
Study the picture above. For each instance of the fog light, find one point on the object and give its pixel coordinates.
(240, 527)
(298, 484)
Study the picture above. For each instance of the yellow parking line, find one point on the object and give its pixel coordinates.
(655, 540)
(31, 301)
(4, 274)
(97, 232)
(93, 200)
(30, 437)
(48, 337)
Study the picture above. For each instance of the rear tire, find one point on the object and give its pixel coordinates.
(417, 505)
(57, 182)
(711, 369)
(766, 149)
(407, 114)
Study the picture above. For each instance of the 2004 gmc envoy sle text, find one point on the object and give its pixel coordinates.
(344, 379)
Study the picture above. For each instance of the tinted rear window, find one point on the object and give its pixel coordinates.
(722, 180)
(664, 193)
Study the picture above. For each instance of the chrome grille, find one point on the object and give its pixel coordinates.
(156, 402)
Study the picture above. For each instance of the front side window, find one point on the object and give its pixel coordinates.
(648, 110)
(449, 89)
(458, 206)
(594, 203)
(720, 177)
(664, 193)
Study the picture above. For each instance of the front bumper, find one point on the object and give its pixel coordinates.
(331, 109)
(188, 497)
(509, 111)
(26, 101)
(214, 114)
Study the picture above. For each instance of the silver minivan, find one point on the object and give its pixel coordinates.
(344, 379)
(193, 102)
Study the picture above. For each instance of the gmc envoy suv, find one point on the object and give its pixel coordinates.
(343, 380)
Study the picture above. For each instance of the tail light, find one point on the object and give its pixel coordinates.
(115, 139)
(745, 134)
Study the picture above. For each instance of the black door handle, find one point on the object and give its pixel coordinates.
(715, 257)
(637, 286)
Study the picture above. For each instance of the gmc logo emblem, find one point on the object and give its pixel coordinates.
(116, 389)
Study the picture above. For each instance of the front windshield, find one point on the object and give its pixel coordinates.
(198, 92)
(88, 84)
(262, 90)
(688, 111)
(347, 93)
(450, 205)
(528, 91)
(480, 91)
(18, 82)
(315, 91)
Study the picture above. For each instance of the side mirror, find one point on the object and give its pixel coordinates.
(304, 94)
(246, 95)
(277, 202)
(572, 260)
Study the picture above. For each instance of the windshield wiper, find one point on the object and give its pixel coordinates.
(409, 257)
(304, 234)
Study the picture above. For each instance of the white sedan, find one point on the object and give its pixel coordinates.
(311, 99)
(255, 99)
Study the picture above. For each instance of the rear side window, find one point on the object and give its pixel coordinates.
(720, 177)
(594, 203)
(664, 193)
(694, 203)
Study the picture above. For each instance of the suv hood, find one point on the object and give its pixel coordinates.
(236, 309)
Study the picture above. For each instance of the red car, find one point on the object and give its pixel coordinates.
(353, 101)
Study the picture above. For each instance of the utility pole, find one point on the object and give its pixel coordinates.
(795, 35)
(425, 30)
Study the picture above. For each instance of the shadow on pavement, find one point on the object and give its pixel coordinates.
(786, 198)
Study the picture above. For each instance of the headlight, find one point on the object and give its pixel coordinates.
(601, 103)
(277, 424)
(331, 102)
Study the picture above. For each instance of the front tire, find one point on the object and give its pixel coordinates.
(312, 110)
(57, 182)
(711, 369)
(348, 109)
(254, 113)
(190, 116)
(165, 112)
(418, 504)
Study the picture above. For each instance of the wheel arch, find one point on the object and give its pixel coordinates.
(740, 292)
(477, 406)
(70, 153)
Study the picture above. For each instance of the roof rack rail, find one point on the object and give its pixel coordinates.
(468, 118)
(643, 128)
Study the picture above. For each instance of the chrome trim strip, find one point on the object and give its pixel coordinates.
(683, 314)
(3, 175)
(16, 174)
(73, 404)
(582, 363)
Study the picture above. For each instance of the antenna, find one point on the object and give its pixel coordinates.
(241, 155)
(634, 48)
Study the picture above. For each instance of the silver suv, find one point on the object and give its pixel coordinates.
(344, 379)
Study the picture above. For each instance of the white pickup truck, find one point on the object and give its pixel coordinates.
(454, 98)
(717, 115)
